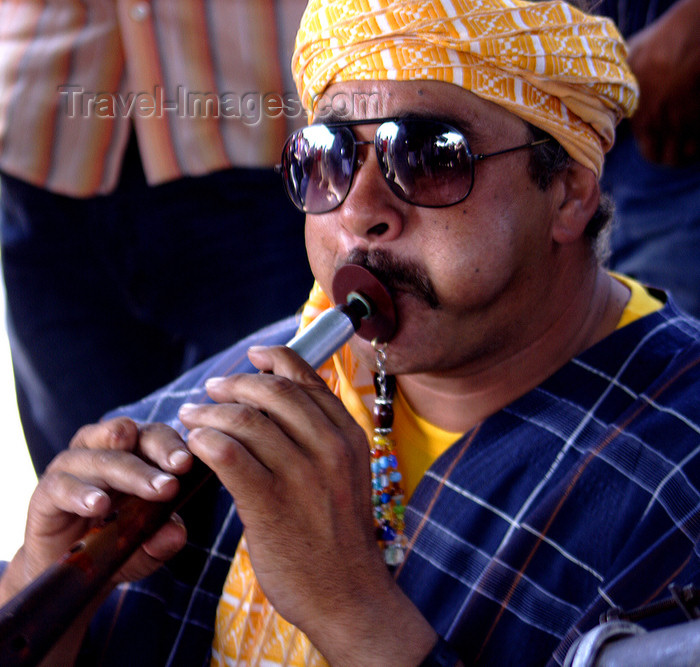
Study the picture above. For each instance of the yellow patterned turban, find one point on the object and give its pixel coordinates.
(547, 62)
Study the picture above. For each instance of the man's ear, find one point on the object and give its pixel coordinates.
(579, 201)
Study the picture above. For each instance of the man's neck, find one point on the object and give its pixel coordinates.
(459, 403)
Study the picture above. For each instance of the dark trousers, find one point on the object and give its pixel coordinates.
(111, 297)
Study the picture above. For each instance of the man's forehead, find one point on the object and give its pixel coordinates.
(360, 100)
(357, 100)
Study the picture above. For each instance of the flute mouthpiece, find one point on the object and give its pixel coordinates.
(354, 281)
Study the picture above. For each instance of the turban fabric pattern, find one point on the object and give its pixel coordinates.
(546, 62)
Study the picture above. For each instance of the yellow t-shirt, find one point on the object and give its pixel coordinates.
(641, 302)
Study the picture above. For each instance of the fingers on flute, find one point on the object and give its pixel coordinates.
(162, 445)
(61, 492)
(252, 418)
(229, 457)
(121, 433)
(307, 413)
(155, 442)
(81, 477)
(283, 362)
(239, 469)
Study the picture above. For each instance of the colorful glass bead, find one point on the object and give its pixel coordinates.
(395, 552)
(383, 414)
(388, 533)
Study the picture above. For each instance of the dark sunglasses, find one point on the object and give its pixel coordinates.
(425, 162)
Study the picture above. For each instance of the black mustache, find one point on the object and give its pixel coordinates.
(397, 275)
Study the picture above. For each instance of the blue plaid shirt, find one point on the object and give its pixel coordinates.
(579, 496)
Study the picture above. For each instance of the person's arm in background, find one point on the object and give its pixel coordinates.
(665, 58)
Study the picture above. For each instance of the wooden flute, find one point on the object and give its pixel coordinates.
(37, 617)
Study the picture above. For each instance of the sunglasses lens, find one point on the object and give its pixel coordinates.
(427, 163)
(317, 165)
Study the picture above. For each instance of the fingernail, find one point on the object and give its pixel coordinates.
(214, 382)
(177, 519)
(159, 481)
(187, 408)
(178, 458)
(92, 498)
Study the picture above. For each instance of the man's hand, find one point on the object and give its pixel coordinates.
(665, 58)
(297, 465)
(73, 495)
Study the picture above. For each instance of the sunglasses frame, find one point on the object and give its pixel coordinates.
(356, 164)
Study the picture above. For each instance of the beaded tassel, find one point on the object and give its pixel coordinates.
(387, 493)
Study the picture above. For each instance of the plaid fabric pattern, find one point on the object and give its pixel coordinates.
(581, 495)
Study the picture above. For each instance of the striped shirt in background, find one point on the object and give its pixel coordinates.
(206, 84)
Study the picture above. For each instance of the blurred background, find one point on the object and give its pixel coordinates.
(17, 478)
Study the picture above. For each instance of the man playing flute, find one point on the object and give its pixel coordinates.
(520, 457)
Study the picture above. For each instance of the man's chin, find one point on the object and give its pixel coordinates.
(400, 352)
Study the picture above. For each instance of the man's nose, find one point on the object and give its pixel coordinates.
(371, 210)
